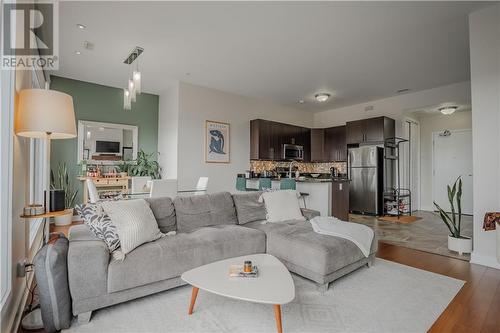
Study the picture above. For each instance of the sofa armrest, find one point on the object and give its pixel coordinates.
(88, 259)
(309, 214)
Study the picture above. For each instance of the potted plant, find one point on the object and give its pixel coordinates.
(62, 182)
(145, 166)
(453, 220)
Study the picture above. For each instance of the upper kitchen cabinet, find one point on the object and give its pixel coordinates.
(335, 149)
(268, 137)
(372, 130)
(317, 145)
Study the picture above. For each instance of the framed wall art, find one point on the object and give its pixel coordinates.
(217, 142)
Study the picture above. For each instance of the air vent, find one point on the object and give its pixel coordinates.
(400, 91)
(369, 108)
(88, 45)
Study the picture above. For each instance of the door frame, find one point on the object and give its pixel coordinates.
(433, 164)
(419, 157)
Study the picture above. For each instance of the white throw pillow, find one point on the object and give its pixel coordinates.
(282, 206)
(134, 221)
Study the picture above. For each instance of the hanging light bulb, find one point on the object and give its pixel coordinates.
(136, 77)
(131, 89)
(126, 100)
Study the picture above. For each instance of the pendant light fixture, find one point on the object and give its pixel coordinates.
(134, 83)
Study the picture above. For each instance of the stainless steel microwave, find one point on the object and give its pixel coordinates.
(293, 152)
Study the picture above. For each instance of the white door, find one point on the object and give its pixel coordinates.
(452, 157)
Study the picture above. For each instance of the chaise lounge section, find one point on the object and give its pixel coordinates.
(209, 228)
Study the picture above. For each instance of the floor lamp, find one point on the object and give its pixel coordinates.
(46, 114)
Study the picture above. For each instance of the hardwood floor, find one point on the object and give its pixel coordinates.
(476, 308)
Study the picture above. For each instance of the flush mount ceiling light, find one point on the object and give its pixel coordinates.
(447, 110)
(301, 101)
(78, 52)
(322, 97)
(81, 26)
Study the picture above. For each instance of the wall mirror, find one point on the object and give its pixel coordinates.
(106, 142)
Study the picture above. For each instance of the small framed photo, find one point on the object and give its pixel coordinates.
(217, 142)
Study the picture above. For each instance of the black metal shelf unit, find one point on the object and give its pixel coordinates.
(397, 200)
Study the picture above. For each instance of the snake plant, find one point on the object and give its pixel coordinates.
(453, 220)
(63, 183)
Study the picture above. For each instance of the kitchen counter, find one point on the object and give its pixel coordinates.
(319, 192)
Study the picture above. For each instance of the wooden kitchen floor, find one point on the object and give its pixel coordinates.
(476, 307)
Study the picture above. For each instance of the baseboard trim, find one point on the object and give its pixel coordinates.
(490, 261)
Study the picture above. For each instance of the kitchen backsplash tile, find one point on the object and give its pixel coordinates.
(260, 166)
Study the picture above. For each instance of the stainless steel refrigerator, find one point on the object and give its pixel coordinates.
(366, 173)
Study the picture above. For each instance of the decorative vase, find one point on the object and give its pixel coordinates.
(461, 245)
(63, 219)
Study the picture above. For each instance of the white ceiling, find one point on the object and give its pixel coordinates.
(275, 51)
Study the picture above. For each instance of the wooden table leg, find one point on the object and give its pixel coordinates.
(277, 315)
(194, 293)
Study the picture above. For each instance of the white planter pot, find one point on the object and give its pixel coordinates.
(460, 245)
(63, 219)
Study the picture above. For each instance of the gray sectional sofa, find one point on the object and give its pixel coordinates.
(209, 228)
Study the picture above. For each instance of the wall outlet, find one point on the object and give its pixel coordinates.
(21, 268)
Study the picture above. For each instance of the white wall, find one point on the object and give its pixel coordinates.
(168, 121)
(428, 125)
(198, 104)
(484, 26)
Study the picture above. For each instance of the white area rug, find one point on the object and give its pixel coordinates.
(388, 297)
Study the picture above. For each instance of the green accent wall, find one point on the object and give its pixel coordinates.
(96, 102)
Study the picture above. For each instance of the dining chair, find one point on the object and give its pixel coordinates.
(163, 188)
(241, 184)
(288, 184)
(140, 184)
(265, 183)
(92, 191)
(201, 186)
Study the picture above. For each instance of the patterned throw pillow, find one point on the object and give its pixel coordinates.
(100, 224)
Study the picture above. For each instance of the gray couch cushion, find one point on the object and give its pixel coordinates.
(248, 207)
(204, 210)
(297, 243)
(164, 212)
(170, 256)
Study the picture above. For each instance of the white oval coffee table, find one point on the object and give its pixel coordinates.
(274, 285)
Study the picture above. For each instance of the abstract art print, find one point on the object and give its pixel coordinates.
(216, 142)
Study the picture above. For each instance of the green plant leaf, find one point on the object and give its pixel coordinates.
(459, 204)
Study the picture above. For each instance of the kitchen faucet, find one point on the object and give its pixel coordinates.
(290, 168)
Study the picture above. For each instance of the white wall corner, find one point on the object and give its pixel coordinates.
(168, 131)
(484, 260)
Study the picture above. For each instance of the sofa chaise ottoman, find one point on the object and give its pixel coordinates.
(209, 228)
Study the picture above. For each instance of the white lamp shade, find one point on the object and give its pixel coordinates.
(42, 111)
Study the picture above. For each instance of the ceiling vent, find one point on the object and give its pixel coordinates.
(400, 91)
(369, 108)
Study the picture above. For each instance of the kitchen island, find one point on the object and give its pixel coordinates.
(319, 190)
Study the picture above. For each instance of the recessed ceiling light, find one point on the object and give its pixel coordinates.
(301, 101)
(78, 52)
(447, 110)
(81, 26)
(322, 97)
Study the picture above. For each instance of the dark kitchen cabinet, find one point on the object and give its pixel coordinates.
(340, 199)
(335, 148)
(317, 145)
(374, 130)
(268, 137)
